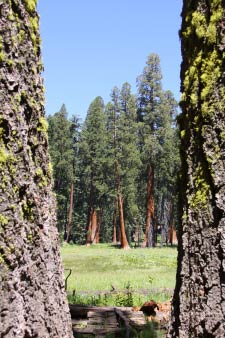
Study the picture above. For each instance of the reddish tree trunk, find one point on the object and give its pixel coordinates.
(99, 222)
(89, 230)
(172, 238)
(70, 215)
(93, 227)
(172, 235)
(114, 225)
(92, 223)
(149, 239)
(124, 242)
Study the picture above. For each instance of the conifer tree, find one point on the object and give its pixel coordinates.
(118, 185)
(129, 158)
(32, 297)
(62, 156)
(167, 168)
(198, 304)
(93, 145)
(150, 119)
(110, 177)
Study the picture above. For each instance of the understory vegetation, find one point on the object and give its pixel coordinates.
(104, 275)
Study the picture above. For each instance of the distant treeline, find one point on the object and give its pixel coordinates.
(115, 175)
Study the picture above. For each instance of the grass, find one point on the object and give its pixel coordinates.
(98, 267)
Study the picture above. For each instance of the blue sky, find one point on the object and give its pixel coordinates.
(90, 46)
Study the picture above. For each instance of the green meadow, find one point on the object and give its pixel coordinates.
(143, 273)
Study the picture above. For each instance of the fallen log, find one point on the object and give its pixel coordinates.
(81, 311)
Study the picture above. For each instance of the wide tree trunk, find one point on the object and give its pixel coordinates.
(32, 296)
(70, 215)
(199, 301)
(149, 239)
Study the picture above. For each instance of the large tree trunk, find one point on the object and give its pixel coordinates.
(70, 215)
(32, 296)
(149, 239)
(199, 301)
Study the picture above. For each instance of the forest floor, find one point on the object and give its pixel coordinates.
(105, 275)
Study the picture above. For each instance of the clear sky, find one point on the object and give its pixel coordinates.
(90, 46)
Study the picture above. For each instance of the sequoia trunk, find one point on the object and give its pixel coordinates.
(92, 227)
(92, 221)
(99, 223)
(123, 237)
(32, 296)
(115, 225)
(199, 301)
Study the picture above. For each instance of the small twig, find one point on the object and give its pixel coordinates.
(70, 271)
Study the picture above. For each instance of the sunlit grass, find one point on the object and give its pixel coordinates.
(98, 267)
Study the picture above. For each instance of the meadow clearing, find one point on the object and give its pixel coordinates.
(98, 269)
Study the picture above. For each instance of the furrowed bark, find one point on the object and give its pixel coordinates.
(32, 296)
(199, 301)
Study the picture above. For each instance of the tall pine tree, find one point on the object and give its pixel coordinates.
(129, 158)
(150, 120)
(62, 156)
(93, 146)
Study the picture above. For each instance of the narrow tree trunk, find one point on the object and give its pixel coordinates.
(89, 230)
(124, 242)
(149, 239)
(93, 227)
(99, 223)
(198, 308)
(32, 297)
(115, 225)
(92, 217)
(172, 236)
(70, 215)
